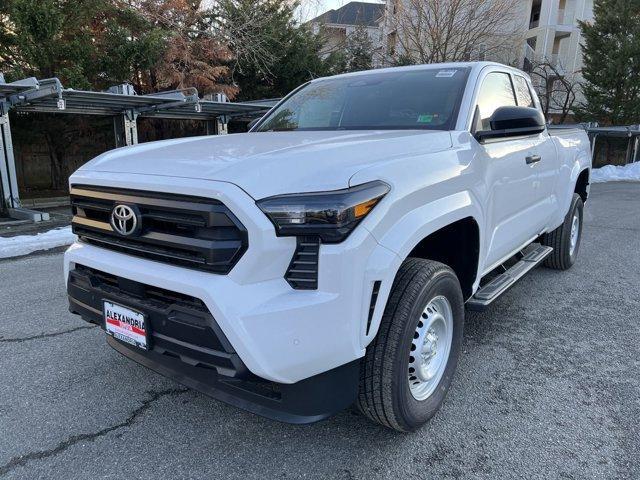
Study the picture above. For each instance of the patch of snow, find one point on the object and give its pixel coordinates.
(613, 173)
(24, 244)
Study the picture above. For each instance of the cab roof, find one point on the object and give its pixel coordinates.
(474, 66)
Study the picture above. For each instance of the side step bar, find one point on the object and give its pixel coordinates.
(503, 282)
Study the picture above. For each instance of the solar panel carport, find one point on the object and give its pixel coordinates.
(120, 102)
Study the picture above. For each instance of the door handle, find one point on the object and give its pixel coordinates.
(533, 159)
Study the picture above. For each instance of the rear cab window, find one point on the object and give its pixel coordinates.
(523, 92)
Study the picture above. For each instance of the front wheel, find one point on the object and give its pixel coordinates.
(565, 239)
(408, 367)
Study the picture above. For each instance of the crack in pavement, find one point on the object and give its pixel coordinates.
(45, 335)
(22, 460)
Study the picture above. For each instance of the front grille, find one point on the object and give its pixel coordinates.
(184, 230)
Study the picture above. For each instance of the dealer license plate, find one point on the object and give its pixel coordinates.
(125, 324)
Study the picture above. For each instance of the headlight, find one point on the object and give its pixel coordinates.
(330, 215)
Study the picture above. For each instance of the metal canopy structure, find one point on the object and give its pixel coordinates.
(100, 103)
(207, 109)
(7, 89)
(631, 133)
(121, 102)
(177, 104)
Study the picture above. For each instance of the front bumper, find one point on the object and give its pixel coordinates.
(307, 401)
(187, 345)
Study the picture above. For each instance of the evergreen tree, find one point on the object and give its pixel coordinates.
(403, 60)
(277, 55)
(359, 50)
(612, 63)
(88, 44)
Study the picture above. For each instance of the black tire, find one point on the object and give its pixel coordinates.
(562, 257)
(384, 395)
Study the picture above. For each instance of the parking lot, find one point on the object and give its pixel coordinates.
(548, 387)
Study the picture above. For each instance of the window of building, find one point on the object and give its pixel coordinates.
(536, 8)
(392, 40)
(482, 52)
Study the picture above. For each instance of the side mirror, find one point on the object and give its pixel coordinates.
(513, 122)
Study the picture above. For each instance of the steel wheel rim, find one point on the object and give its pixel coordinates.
(575, 233)
(430, 348)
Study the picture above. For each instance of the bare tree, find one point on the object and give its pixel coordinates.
(556, 88)
(431, 31)
(224, 23)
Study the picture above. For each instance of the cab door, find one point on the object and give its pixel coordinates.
(547, 164)
(511, 178)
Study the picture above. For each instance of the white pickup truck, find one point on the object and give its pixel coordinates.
(326, 257)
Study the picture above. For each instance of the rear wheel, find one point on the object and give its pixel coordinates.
(565, 239)
(409, 366)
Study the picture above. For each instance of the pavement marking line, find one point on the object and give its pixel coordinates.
(22, 460)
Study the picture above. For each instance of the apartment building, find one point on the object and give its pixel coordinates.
(553, 34)
(547, 31)
(539, 36)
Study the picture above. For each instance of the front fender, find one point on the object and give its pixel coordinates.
(408, 231)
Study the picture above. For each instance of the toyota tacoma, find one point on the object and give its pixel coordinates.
(327, 257)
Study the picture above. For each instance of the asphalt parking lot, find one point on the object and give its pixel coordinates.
(548, 387)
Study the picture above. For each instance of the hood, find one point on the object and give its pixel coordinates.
(271, 163)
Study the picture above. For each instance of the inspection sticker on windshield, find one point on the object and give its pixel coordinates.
(446, 73)
(125, 324)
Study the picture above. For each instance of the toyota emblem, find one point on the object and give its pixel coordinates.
(124, 220)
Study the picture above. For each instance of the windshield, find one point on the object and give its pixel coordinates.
(405, 99)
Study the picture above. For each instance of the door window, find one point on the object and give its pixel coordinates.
(496, 91)
(525, 99)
